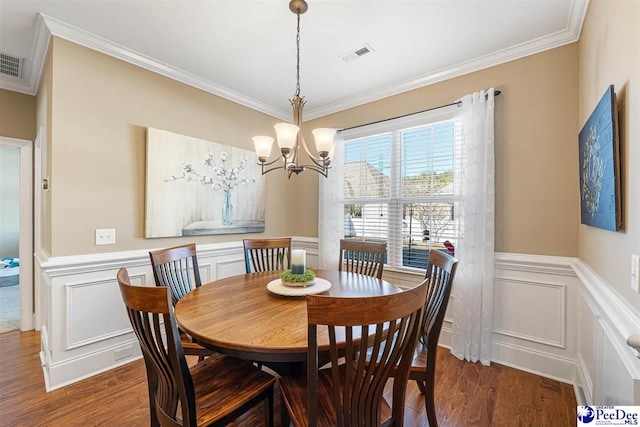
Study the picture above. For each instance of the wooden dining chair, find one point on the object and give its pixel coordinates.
(439, 277)
(362, 257)
(211, 393)
(350, 391)
(177, 269)
(267, 254)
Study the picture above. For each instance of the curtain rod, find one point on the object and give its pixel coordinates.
(495, 93)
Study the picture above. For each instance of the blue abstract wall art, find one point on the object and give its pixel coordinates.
(599, 153)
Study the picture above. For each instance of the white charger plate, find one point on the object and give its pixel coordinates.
(320, 285)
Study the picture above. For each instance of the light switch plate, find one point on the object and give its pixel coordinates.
(105, 236)
(635, 272)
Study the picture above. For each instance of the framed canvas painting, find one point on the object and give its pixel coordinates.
(599, 156)
(196, 187)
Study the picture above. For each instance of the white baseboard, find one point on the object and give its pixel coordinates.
(88, 365)
(534, 361)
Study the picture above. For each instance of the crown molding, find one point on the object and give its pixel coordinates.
(33, 65)
(84, 38)
(15, 85)
(569, 35)
(39, 53)
(47, 26)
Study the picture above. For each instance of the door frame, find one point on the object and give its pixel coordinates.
(25, 251)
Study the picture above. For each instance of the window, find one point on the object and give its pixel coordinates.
(399, 188)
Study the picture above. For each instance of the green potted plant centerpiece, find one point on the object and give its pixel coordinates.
(305, 279)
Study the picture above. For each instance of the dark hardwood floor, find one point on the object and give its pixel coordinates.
(467, 394)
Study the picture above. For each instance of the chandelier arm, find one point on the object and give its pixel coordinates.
(315, 160)
(322, 170)
(268, 163)
(320, 163)
(264, 172)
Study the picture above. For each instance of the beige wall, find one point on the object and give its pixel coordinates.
(9, 201)
(97, 143)
(100, 110)
(610, 54)
(17, 115)
(536, 142)
(43, 121)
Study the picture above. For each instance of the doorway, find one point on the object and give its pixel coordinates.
(16, 227)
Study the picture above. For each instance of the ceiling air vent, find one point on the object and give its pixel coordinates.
(11, 65)
(357, 53)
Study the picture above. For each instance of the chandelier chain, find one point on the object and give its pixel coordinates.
(298, 57)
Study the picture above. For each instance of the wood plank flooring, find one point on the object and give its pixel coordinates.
(467, 394)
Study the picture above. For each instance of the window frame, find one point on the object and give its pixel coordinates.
(395, 201)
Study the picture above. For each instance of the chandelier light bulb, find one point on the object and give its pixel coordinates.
(263, 146)
(286, 133)
(324, 140)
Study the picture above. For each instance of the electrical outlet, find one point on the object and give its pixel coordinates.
(106, 236)
(123, 353)
(635, 272)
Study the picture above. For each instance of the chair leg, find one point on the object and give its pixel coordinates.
(151, 386)
(421, 386)
(268, 408)
(430, 385)
(285, 420)
(154, 417)
(429, 402)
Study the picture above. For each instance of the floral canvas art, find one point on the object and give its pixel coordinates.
(196, 187)
(600, 166)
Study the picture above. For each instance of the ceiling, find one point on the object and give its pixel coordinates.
(245, 50)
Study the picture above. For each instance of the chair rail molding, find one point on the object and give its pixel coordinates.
(625, 318)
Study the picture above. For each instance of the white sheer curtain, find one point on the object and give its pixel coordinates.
(330, 215)
(474, 210)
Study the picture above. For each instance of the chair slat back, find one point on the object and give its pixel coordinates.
(440, 273)
(362, 257)
(267, 254)
(177, 269)
(386, 325)
(170, 384)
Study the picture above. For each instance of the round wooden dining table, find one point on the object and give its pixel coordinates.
(238, 316)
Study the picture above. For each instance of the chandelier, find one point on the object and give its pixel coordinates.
(290, 137)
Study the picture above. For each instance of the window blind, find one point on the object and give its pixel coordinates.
(399, 187)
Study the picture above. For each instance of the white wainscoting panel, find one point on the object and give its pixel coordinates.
(589, 338)
(553, 316)
(230, 267)
(84, 323)
(89, 304)
(534, 321)
(588, 341)
(609, 371)
(207, 271)
(530, 310)
(616, 379)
